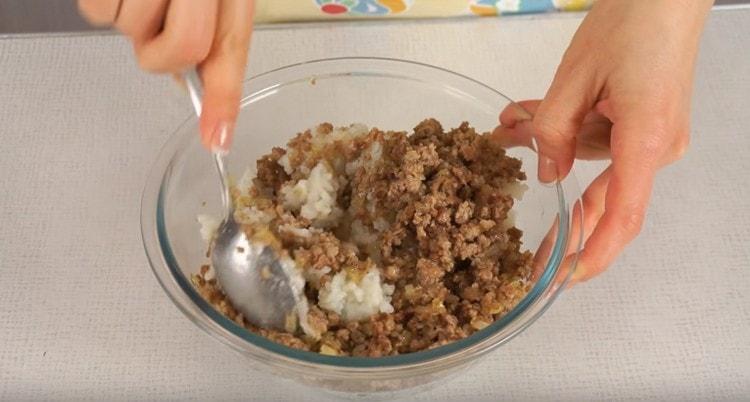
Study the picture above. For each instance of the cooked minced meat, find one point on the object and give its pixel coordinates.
(406, 242)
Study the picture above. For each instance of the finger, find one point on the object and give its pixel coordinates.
(679, 148)
(679, 145)
(635, 160)
(508, 137)
(592, 142)
(518, 111)
(558, 118)
(593, 201)
(99, 12)
(141, 20)
(185, 39)
(543, 252)
(223, 72)
(585, 215)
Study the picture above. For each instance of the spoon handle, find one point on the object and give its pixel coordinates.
(195, 89)
(221, 168)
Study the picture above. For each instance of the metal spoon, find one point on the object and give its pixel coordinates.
(251, 274)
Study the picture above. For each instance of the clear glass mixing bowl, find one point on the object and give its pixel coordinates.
(388, 94)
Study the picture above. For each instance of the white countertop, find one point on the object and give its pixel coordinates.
(81, 315)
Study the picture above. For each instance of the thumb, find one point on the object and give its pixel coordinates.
(558, 119)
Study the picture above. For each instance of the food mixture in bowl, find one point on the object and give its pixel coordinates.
(405, 241)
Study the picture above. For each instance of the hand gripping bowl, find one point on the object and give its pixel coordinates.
(383, 93)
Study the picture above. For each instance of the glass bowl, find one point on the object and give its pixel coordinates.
(384, 93)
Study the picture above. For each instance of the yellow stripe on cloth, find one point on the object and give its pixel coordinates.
(268, 11)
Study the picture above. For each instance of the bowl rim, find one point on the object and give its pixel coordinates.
(183, 294)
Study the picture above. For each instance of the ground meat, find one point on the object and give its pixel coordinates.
(271, 174)
(428, 210)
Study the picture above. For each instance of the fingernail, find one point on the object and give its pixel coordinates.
(578, 275)
(221, 137)
(523, 114)
(208, 133)
(547, 170)
(206, 140)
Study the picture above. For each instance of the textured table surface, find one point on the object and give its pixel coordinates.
(81, 315)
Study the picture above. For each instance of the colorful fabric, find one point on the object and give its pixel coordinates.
(306, 10)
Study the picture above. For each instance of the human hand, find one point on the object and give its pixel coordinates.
(172, 36)
(622, 91)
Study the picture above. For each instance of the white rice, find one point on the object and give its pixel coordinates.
(361, 235)
(314, 197)
(356, 301)
(252, 216)
(374, 151)
(286, 164)
(297, 283)
(246, 181)
(516, 189)
(510, 220)
(209, 226)
(304, 233)
(381, 225)
(313, 275)
(338, 134)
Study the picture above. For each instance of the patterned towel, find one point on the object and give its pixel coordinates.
(309, 10)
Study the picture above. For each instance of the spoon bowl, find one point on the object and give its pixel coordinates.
(254, 278)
